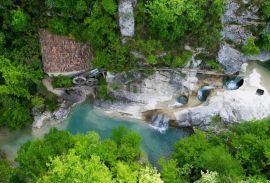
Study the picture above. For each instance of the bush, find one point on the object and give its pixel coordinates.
(2, 40)
(19, 20)
(213, 64)
(240, 153)
(265, 9)
(58, 26)
(182, 60)
(152, 59)
(109, 6)
(250, 48)
(265, 41)
(62, 82)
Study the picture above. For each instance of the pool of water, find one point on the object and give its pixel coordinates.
(84, 118)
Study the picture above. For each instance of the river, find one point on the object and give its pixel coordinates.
(84, 118)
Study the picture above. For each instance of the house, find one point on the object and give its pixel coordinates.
(63, 56)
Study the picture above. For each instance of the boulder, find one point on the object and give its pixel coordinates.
(236, 33)
(234, 15)
(126, 17)
(230, 58)
(263, 56)
(40, 119)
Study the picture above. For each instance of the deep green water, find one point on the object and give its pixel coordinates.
(84, 118)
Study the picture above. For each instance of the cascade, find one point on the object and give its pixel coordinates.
(160, 122)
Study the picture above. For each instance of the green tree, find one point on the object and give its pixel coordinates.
(71, 168)
(34, 155)
(19, 20)
(125, 174)
(265, 9)
(2, 40)
(6, 171)
(58, 26)
(169, 20)
(218, 159)
(69, 8)
(109, 6)
(170, 172)
(14, 113)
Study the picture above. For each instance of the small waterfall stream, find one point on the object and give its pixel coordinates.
(235, 83)
(160, 122)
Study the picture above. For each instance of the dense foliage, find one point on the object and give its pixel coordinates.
(171, 20)
(62, 157)
(62, 82)
(165, 23)
(242, 153)
(237, 155)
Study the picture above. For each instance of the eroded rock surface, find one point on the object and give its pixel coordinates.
(230, 58)
(232, 106)
(126, 17)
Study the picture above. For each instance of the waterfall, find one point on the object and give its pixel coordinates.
(234, 84)
(160, 122)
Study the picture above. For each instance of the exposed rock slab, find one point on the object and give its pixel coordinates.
(230, 58)
(233, 14)
(263, 56)
(232, 106)
(236, 33)
(40, 119)
(126, 17)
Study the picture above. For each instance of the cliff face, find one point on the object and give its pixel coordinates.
(241, 20)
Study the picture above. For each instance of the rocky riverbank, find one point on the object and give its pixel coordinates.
(158, 93)
(67, 98)
(156, 98)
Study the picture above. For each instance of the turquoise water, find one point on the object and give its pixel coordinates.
(84, 118)
(155, 144)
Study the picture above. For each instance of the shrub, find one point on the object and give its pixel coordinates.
(38, 102)
(265, 9)
(213, 64)
(2, 40)
(109, 6)
(58, 26)
(62, 82)
(152, 59)
(250, 48)
(19, 20)
(182, 60)
(265, 41)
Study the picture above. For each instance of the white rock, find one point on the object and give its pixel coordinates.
(248, 17)
(232, 106)
(60, 114)
(41, 119)
(126, 17)
(230, 58)
(236, 33)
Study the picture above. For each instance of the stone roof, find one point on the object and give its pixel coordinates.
(61, 55)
